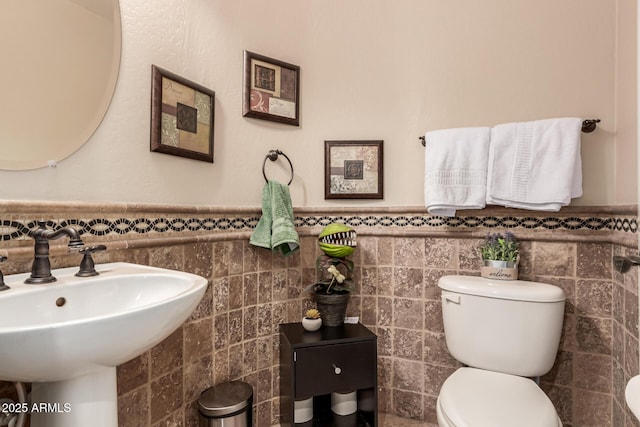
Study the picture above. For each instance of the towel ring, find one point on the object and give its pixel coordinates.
(273, 156)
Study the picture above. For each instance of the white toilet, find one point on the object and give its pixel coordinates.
(505, 332)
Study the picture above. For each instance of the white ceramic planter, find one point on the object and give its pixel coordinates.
(311, 324)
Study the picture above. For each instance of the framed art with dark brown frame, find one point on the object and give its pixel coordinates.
(353, 170)
(182, 116)
(271, 89)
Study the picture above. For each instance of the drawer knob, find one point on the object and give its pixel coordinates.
(337, 370)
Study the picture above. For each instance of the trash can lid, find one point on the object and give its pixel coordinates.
(225, 398)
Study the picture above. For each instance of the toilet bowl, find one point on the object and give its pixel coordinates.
(477, 398)
(505, 332)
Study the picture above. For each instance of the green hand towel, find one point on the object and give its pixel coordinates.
(275, 229)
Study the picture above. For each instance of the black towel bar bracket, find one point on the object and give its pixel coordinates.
(588, 126)
(623, 263)
(273, 156)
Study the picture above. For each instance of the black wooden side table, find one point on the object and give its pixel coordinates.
(333, 359)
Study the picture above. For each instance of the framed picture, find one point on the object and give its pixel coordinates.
(182, 114)
(353, 170)
(271, 89)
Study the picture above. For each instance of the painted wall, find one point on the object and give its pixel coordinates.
(369, 70)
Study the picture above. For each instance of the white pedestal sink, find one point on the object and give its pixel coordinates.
(67, 337)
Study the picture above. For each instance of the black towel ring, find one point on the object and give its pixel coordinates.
(273, 156)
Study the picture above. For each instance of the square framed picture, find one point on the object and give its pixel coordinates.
(182, 116)
(353, 170)
(271, 89)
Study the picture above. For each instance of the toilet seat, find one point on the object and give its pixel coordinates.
(473, 397)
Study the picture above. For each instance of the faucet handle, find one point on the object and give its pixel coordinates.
(87, 266)
(3, 287)
(92, 249)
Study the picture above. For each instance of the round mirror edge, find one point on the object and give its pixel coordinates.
(101, 109)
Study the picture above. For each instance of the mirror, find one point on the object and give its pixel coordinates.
(60, 62)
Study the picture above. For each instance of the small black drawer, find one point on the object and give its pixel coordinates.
(337, 367)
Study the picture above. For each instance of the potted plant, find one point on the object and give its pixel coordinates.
(311, 320)
(500, 256)
(332, 290)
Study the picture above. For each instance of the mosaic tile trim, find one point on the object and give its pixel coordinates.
(19, 230)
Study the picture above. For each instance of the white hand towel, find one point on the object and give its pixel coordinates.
(535, 165)
(456, 169)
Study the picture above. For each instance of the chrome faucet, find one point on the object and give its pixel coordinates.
(41, 268)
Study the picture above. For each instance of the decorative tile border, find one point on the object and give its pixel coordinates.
(426, 221)
(160, 226)
(16, 229)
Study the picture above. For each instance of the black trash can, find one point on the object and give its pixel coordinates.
(226, 405)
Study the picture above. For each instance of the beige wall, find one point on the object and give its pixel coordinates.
(369, 70)
(626, 104)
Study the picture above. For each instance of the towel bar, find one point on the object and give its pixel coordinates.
(273, 156)
(588, 126)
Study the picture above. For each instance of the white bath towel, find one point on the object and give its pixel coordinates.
(456, 169)
(535, 165)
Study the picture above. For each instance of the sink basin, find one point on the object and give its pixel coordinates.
(67, 337)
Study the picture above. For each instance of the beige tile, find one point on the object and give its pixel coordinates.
(594, 298)
(250, 289)
(408, 282)
(390, 420)
(631, 312)
(368, 248)
(197, 340)
(593, 372)
(407, 404)
(130, 375)
(198, 259)
(593, 334)
(408, 313)
(554, 259)
(166, 395)
(440, 253)
(408, 252)
(164, 355)
(591, 409)
(407, 375)
(407, 344)
(171, 257)
(236, 292)
(594, 260)
(198, 376)
(221, 259)
(133, 408)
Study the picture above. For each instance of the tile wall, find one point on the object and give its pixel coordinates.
(233, 333)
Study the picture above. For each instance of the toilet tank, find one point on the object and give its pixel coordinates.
(505, 326)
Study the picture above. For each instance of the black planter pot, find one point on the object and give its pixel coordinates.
(332, 307)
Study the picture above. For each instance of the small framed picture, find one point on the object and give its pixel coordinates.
(353, 170)
(182, 116)
(271, 89)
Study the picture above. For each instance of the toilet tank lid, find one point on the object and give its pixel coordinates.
(520, 290)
